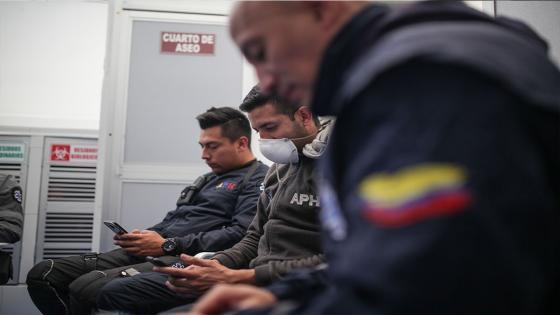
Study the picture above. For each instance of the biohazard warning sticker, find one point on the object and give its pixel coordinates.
(188, 43)
(60, 152)
(74, 153)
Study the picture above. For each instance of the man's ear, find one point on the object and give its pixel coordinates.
(326, 13)
(305, 115)
(242, 144)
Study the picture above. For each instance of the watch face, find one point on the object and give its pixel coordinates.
(169, 245)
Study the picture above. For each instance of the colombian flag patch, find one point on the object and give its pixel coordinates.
(414, 193)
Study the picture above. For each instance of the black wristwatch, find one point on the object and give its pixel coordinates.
(169, 247)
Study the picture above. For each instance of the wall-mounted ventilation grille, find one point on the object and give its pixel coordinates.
(67, 201)
(13, 169)
(7, 248)
(71, 183)
(68, 227)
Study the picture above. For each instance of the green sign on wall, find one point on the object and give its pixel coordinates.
(11, 152)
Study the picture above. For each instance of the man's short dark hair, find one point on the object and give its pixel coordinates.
(255, 98)
(233, 122)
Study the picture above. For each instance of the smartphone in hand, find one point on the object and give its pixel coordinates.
(157, 262)
(115, 227)
(160, 263)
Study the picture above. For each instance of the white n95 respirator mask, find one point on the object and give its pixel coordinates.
(281, 151)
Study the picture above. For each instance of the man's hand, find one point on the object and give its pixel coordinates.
(141, 243)
(226, 297)
(202, 274)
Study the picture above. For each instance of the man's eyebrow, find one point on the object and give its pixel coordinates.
(207, 143)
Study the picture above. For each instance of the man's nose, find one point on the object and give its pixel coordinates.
(205, 155)
(264, 135)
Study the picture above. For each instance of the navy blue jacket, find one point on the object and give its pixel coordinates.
(441, 189)
(219, 214)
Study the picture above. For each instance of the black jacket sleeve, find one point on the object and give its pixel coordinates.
(159, 227)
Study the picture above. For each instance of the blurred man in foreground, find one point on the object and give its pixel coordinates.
(441, 180)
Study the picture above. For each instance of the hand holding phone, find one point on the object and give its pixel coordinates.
(115, 227)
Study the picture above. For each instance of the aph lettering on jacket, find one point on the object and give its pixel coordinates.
(301, 199)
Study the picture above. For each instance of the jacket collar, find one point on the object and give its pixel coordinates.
(317, 147)
(373, 22)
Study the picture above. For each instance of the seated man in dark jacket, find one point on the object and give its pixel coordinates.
(212, 214)
(284, 234)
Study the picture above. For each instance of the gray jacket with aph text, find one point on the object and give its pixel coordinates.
(285, 233)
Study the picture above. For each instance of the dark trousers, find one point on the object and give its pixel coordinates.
(145, 293)
(70, 285)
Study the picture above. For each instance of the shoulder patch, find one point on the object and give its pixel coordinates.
(414, 193)
(17, 194)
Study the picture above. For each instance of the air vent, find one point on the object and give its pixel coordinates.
(71, 183)
(13, 169)
(53, 253)
(68, 227)
(67, 199)
(9, 248)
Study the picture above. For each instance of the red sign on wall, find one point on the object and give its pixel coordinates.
(60, 152)
(188, 43)
(74, 153)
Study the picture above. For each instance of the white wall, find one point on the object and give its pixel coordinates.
(476, 4)
(543, 16)
(51, 63)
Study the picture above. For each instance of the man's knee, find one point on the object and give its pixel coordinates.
(39, 272)
(144, 293)
(86, 287)
(60, 272)
(42, 291)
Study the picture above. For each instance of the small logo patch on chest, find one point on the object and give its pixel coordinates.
(226, 185)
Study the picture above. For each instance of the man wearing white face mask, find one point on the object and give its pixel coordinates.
(284, 234)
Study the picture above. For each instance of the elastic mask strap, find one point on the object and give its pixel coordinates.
(280, 181)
